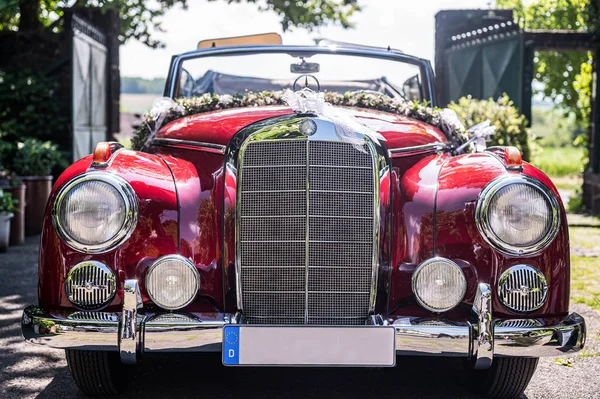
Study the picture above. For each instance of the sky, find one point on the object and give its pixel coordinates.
(408, 25)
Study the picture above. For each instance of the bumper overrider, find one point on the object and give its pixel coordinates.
(132, 332)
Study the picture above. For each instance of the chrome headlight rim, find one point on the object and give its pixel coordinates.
(131, 212)
(483, 224)
(188, 263)
(539, 274)
(414, 281)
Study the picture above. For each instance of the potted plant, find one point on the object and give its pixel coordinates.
(33, 163)
(10, 184)
(7, 206)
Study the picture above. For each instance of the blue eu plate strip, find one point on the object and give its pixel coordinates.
(231, 345)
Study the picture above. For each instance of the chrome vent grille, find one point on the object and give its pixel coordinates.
(306, 231)
(519, 323)
(94, 316)
(522, 288)
(90, 285)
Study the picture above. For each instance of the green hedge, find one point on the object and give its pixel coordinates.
(511, 126)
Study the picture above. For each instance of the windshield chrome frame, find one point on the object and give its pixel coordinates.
(425, 68)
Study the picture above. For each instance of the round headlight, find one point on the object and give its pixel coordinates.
(439, 284)
(518, 215)
(172, 282)
(95, 212)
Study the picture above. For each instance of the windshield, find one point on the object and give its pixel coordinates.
(237, 73)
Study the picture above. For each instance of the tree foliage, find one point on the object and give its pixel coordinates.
(141, 18)
(566, 76)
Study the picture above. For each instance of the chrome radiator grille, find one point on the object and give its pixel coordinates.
(306, 232)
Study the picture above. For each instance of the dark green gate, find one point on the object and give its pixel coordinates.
(484, 63)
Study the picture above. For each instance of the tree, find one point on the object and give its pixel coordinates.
(566, 76)
(139, 18)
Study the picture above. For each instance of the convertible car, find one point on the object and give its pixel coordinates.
(304, 206)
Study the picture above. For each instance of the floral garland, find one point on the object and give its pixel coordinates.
(444, 119)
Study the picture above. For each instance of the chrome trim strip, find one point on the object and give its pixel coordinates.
(418, 149)
(129, 327)
(307, 230)
(482, 222)
(202, 332)
(483, 342)
(200, 145)
(131, 212)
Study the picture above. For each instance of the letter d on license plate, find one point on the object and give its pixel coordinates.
(368, 346)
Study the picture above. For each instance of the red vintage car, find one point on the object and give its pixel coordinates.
(303, 206)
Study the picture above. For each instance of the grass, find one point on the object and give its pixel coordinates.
(585, 281)
(558, 162)
(585, 278)
(584, 234)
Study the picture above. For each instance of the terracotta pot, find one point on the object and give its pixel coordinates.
(17, 224)
(4, 230)
(36, 197)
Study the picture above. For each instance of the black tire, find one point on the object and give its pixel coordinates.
(97, 373)
(507, 378)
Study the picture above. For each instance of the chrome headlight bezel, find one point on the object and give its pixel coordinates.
(187, 262)
(487, 233)
(419, 269)
(131, 212)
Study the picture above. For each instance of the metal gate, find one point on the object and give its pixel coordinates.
(484, 63)
(89, 87)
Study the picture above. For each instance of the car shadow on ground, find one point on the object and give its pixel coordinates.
(195, 375)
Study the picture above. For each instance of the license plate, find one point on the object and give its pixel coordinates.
(366, 346)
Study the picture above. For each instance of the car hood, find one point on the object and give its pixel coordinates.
(218, 127)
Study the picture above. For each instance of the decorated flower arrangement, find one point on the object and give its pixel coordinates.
(168, 111)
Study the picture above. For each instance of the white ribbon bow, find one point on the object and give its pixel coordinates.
(160, 108)
(347, 127)
(479, 134)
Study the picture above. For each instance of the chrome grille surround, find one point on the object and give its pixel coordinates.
(90, 285)
(307, 237)
(522, 288)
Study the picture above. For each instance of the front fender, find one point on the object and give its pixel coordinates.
(155, 234)
(460, 183)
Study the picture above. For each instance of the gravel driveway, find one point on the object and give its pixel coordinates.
(28, 371)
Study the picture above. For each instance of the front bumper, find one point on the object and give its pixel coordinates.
(133, 333)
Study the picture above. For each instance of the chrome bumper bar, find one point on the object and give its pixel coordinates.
(133, 333)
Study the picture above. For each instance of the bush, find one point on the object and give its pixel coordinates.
(29, 106)
(36, 158)
(511, 127)
(7, 203)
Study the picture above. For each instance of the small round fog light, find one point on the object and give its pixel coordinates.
(439, 284)
(172, 282)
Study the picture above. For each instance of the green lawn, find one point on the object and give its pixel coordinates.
(557, 162)
(564, 161)
(584, 233)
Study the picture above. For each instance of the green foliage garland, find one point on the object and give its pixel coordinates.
(360, 99)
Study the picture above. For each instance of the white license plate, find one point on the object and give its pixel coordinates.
(367, 346)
